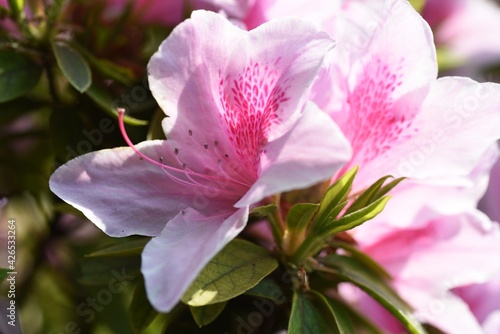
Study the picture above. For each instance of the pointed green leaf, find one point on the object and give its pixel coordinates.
(368, 196)
(363, 258)
(360, 320)
(354, 219)
(389, 186)
(73, 66)
(336, 193)
(297, 221)
(141, 313)
(350, 270)
(123, 248)
(106, 68)
(16, 8)
(263, 211)
(204, 315)
(237, 268)
(18, 75)
(300, 215)
(267, 288)
(340, 315)
(108, 105)
(305, 318)
(3, 274)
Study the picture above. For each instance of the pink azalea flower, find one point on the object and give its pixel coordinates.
(428, 261)
(484, 301)
(490, 203)
(238, 131)
(467, 28)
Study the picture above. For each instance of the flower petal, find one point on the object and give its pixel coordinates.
(123, 194)
(172, 260)
(458, 122)
(309, 153)
(239, 90)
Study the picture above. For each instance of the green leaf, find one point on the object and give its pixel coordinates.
(204, 315)
(18, 75)
(107, 104)
(124, 248)
(105, 67)
(368, 196)
(363, 258)
(141, 314)
(101, 270)
(334, 196)
(305, 318)
(73, 66)
(16, 8)
(3, 274)
(340, 315)
(354, 219)
(267, 288)
(263, 211)
(237, 268)
(297, 221)
(350, 270)
(389, 186)
(359, 320)
(418, 4)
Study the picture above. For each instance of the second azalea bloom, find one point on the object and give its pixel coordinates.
(238, 130)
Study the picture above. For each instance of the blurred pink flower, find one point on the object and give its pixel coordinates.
(490, 203)
(466, 28)
(429, 260)
(484, 301)
(238, 130)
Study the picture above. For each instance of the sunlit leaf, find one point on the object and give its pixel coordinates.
(18, 75)
(305, 318)
(297, 221)
(204, 315)
(368, 196)
(237, 268)
(74, 67)
(354, 219)
(337, 191)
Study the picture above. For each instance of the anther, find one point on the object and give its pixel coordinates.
(205, 146)
(176, 151)
(190, 132)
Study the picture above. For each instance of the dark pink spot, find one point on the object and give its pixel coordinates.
(251, 106)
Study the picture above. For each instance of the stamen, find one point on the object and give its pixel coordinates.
(188, 173)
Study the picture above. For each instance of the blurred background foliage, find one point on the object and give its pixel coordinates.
(65, 66)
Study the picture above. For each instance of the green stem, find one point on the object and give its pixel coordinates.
(310, 246)
(276, 222)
